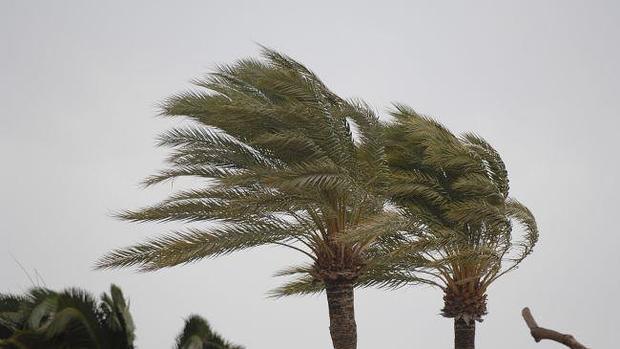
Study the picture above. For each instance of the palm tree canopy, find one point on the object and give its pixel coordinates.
(197, 334)
(71, 318)
(283, 160)
(455, 209)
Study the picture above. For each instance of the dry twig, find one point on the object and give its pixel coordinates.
(540, 333)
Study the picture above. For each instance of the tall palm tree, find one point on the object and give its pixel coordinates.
(197, 334)
(283, 161)
(458, 219)
(72, 318)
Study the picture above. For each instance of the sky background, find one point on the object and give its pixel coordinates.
(79, 85)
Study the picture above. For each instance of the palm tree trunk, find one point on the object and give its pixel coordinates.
(342, 325)
(464, 334)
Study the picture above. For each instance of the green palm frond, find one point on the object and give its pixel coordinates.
(494, 164)
(201, 145)
(117, 318)
(519, 249)
(234, 204)
(372, 228)
(300, 285)
(201, 171)
(196, 244)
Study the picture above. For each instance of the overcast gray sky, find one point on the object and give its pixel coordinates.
(79, 84)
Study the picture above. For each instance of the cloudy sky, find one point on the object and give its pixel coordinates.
(79, 84)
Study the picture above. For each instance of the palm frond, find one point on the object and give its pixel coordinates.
(300, 286)
(196, 244)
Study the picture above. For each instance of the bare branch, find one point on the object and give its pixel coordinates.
(540, 333)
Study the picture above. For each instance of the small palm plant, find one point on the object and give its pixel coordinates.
(72, 318)
(284, 161)
(197, 334)
(456, 215)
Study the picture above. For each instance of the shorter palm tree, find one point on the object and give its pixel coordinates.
(71, 318)
(197, 334)
(452, 194)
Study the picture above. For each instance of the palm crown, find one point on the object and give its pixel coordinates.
(71, 318)
(452, 193)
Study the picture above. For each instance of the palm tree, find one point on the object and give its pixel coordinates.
(284, 161)
(452, 193)
(72, 318)
(197, 334)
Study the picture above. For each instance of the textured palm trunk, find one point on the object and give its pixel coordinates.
(464, 334)
(342, 325)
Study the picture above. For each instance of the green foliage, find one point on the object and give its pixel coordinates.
(72, 318)
(197, 334)
(454, 193)
(281, 160)
(280, 165)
